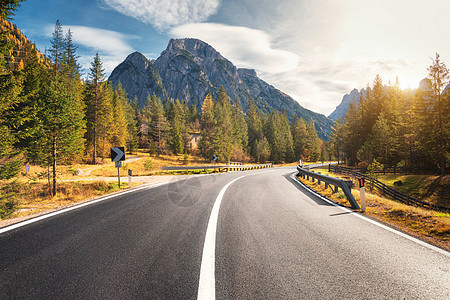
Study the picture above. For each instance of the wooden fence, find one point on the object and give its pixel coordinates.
(386, 190)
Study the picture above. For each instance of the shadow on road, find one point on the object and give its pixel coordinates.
(302, 188)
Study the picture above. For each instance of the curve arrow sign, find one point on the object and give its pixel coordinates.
(118, 154)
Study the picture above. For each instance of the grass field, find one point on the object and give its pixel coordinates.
(29, 192)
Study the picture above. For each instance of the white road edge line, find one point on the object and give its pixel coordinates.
(207, 282)
(49, 215)
(406, 236)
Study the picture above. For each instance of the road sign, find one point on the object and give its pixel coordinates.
(117, 153)
(361, 182)
(215, 157)
(118, 164)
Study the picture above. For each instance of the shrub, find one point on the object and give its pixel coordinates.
(148, 164)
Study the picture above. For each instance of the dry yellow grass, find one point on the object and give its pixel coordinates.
(429, 225)
(33, 197)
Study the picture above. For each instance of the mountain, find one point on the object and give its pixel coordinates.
(189, 68)
(342, 108)
(355, 95)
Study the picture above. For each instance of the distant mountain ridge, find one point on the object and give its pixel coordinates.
(355, 96)
(189, 68)
(342, 108)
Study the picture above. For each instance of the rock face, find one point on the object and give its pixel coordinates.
(342, 108)
(188, 69)
(138, 76)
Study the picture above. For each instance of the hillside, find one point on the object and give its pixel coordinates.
(188, 69)
(22, 47)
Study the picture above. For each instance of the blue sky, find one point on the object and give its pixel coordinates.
(314, 50)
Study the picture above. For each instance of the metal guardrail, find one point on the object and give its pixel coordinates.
(345, 185)
(212, 167)
(386, 190)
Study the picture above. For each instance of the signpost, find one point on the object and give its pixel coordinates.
(362, 192)
(117, 156)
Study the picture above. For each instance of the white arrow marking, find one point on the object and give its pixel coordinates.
(119, 154)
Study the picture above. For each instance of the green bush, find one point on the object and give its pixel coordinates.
(148, 164)
(8, 204)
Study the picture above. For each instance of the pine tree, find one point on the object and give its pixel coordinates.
(70, 66)
(11, 87)
(8, 7)
(131, 110)
(439, 76)
(93, 103)
(159, 126)
(313, 142)
(58, 47)
(278, 132)
(300, 137)
(222, 135)
(240, 128)
(119, 128)
(177, 127)
(207, 127)
(255, 128)
(105, 119)
(59, 128)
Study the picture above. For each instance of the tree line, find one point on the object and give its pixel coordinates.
(50, 116)
(395, 127)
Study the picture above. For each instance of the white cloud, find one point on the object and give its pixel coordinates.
(112, 46)
(111, 42)
(245, 47)
(165, 14)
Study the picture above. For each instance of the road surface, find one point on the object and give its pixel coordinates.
(238, 235)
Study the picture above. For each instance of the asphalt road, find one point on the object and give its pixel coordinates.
(273, 240)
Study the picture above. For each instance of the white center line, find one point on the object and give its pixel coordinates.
(207, 283)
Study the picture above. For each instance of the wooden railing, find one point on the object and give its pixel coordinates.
(386, 190)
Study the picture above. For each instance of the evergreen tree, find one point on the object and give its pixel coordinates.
(300, 138)
(278, 132)
(254, 120)
(158, 127)
(8, 7)
(313, 142)
(240, 128)
(131, 111)
(58, 47)
(177, 127)
(439, 76)
(222, 135)
(59, 128)
(207, 127)
(119, 128)
(70, 66)
(93, 103)
(11, 88)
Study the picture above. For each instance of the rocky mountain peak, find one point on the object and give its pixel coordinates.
(188, 69)
(342, 108)
(245, 71)
(196, 47)
(138, 60)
